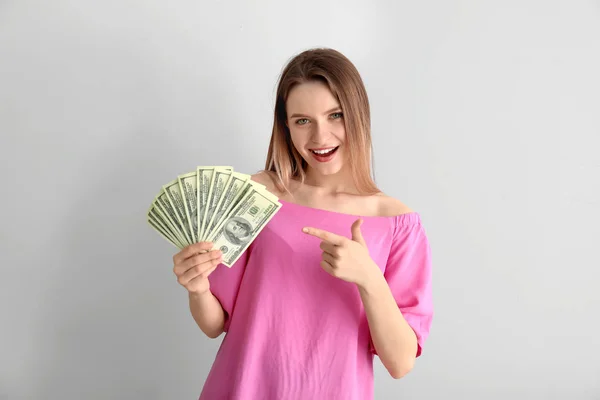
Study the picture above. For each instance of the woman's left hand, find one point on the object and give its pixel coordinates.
(346, 259)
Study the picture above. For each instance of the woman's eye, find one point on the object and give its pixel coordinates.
(302, 121)
(337, 115)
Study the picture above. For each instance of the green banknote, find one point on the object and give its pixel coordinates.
(244, 222)
(216, 204)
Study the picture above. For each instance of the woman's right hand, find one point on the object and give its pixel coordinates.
(193, 264)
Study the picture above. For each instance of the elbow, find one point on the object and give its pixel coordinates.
(401, 369)
(213, 333)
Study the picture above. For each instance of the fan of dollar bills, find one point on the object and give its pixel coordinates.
(213, 204)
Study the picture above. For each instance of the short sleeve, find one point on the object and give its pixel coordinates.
(408, 273)
(225, 284)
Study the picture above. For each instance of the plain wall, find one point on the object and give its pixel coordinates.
(485, 118)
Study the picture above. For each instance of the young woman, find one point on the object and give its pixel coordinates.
(341, 272)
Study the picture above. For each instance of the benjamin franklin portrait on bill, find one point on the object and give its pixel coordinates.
(237, 231)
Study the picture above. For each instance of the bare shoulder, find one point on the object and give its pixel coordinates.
(268, 179)
(389, 206)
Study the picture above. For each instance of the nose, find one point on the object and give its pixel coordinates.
(319, 133)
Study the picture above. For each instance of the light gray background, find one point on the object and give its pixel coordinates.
(486, 120)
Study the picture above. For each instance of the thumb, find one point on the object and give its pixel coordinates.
(356, 233)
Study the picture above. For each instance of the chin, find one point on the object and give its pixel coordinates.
(326, 169)
(333, 167)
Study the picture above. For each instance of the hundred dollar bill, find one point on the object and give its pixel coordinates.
(158, 229)
(157, 219)
(157, 222)
(204, 179)
(170, 215)
(218, 184)
(241, 226)
(188, 185)
(159, 211)
(176, 198)
(235, 188)
(248, 184)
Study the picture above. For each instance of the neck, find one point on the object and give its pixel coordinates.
(340, 182)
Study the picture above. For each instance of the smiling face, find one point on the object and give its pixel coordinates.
(316, 124)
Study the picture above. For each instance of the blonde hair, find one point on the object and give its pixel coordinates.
(344, 81)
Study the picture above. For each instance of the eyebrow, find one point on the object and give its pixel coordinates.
(326, 112)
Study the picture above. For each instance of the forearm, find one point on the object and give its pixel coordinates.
(208, 313)
(393, 338)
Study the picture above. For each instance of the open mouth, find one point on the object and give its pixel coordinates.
(325, 152)
(324, 155)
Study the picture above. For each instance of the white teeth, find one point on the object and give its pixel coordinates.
(321, 152)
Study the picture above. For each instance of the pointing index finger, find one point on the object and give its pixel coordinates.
(324, 235)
